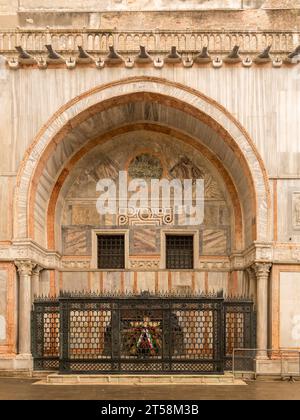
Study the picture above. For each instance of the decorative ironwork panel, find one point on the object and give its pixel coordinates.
(179, 252)
(111, 251)
(144, 334)
(240, 333)
(45, 332)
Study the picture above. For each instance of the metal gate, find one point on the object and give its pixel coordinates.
(139, 334)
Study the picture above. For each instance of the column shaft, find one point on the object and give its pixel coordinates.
(25, 271)
(262, 274)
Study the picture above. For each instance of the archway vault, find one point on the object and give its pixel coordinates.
(53, 224)
(155, 104)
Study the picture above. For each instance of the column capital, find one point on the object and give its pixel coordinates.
(25, 267)
(262, 269)
(250, 271)
(37, 269)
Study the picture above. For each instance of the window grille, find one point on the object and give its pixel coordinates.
(180, 252)
(111, 252)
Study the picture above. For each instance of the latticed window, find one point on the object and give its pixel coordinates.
(111, 251)
(179, 252)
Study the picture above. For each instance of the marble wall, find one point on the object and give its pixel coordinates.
(155, 281)
(3, 305)
(103, 5)
(289, 310)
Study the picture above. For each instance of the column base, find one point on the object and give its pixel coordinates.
(15, 363)
(262, 355)
(23, 362)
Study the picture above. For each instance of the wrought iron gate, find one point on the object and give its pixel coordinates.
(139, 334)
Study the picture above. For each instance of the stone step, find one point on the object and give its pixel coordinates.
(56, 379)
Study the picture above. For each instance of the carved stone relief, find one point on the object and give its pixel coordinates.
(145, 166)
(296, 210)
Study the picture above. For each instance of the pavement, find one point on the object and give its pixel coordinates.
(23, 389)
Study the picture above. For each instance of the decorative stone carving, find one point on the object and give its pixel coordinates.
(264, 253)
(250, 42)
(25, 268)
(144, 264)
(262, 270)
(82, 264)
(185, 169)
(106, 168)
(145, 166)
(214, 265)
(36, 270)
(296, 210)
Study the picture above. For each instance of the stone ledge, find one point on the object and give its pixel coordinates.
(141, 380)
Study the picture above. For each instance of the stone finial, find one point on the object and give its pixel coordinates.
(159, 63)
(143, 56)
(277, 62)
(188, 63)
(234, 56)
(71, 63)
(13, 64)
(24, 56)
(173, 57)
(84, 57)
(25, 267)
(264, 57)
(42, 63)
(247, 62)
(53, 56)
(217, 63)
(100, 64)
(113, 57)
(203, 57)
(129, 63)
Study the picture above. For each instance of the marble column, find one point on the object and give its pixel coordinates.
(25, 269)
(262, 271)
(252, 286)
(35, 284)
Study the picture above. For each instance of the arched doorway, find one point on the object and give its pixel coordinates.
(103, 132)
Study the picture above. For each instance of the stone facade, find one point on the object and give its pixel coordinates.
(191, 104)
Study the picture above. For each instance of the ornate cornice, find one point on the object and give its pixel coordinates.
(27, 250)
(258, 253)
(200, 47)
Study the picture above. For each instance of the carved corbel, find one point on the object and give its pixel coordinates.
(173, 57)
(234, 56)
(203, 57)
(143, 57)
(293, 57)
(264, 57)
(84, 57)
(25, 57)
(53, 56)
(113, 57)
